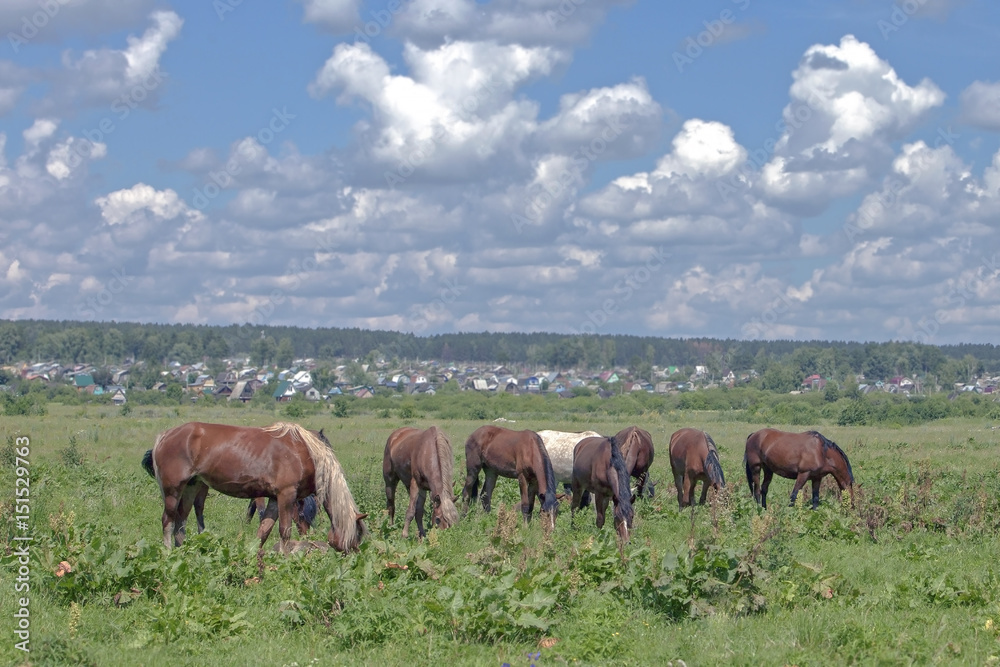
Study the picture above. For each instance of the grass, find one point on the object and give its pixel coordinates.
(908, 576)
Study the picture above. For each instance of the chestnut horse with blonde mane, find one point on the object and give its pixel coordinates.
(694, 458)
(422, 461)
(598, 467)
(799, 456)
(637, 450)
(282, 462)
(501, 452)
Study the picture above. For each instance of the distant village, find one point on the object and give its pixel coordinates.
(242, 381)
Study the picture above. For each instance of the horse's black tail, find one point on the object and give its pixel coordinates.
(549, 502)
(308, 509)
(251, 509)
(713, 467)
(624, 501)
(147, 463)
(830, 444)
(746, 465)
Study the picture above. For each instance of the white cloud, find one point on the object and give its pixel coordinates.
(126, 206)
(981, 105)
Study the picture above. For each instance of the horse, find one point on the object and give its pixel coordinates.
(559, 446)
(502, 452)
(423, 461)
(637, 449)
(798, 456)
(304, 517)
(282, 462)
(694, 458)
(598, 467)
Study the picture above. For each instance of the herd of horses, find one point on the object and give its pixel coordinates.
(289, 472)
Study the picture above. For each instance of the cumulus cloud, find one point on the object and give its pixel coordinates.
(981, 105)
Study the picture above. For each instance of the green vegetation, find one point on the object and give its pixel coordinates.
(908, 575)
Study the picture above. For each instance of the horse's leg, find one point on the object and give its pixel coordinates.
(601, 505)
(300, 522)
(199, 507)
(640, 489)
(488, 484)
(419, 513)
(471, 489)
(689, 483)
(815, 484)
(800, 481)
(268, 516)
(527, 498)
(768, 473)
(411, 510)
(188, 496)
(171, 499)
(704, 492)
(286, 516)
(390, 495)
(754, 482)
(679, 483)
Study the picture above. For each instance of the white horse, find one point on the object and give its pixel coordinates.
(559, 445)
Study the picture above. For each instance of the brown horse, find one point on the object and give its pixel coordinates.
(693, 459)
(637, 449)
(598, 467)
(501, 452)
(282, 462)
(798, 456)
(423, 461)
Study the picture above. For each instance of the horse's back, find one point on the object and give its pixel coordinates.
(560, 445)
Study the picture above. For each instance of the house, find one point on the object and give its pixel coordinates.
(532, 384)
(118, 398)
(284, 391)
(82, 381)
(245, 390)
(632, 386)
(610, 377)
(364, 392)
(311, 393)
(479, 384)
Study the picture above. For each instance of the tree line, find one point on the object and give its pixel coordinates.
(779, 364)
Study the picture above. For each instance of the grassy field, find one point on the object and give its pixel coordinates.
(908, 576)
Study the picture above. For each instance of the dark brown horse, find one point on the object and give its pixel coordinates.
(304, 516)
(798, 456)
(694, 458)
(282, 462)
(598, 467)
(637, 450)
(501, 452)
(422, 461)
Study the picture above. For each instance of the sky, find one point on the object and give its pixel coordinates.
(730, 169)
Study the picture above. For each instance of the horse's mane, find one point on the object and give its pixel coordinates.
(712, 464)
(330, 480)
(830, 444)
(446, 463)
(624, 501)
(549, 502)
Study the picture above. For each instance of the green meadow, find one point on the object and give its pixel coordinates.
(909, 575)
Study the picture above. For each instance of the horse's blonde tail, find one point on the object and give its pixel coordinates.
(446, 462)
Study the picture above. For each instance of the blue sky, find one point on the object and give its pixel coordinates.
(732, 169)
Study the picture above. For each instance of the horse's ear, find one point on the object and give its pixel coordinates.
(359, 517)
(321, 433)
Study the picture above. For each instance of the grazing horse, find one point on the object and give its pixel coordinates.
(798, 456)
(304, 517)
(423, 461)
(637, 449)
(282, 462)
(559, 446)
(693, 459)
(598, 467)
(501, 452)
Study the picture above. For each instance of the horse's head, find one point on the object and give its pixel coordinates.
(345, 543)
(444, 514)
